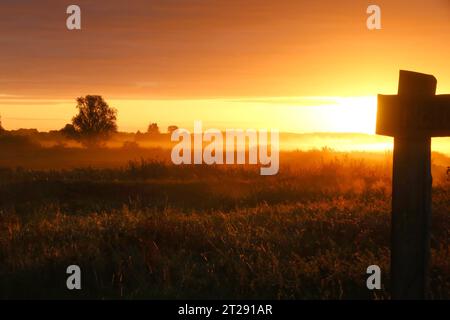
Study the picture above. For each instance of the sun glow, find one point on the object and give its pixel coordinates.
(357, 114)
(333, 114)
(315, 113)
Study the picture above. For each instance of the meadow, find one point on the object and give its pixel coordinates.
(147, 229)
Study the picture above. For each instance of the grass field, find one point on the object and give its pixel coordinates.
(150, 229)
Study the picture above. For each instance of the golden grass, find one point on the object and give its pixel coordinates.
(309, 233)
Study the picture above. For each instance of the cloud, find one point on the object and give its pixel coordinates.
(308, 101)
(209, 48)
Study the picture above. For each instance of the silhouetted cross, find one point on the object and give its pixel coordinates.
(412, 117)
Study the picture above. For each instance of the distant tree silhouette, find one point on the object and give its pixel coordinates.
(94, 123)
(153, 128)
(171, 129)
(1, 127)
(69, 130)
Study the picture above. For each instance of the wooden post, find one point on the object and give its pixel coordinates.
(412, 117)
(411, 215)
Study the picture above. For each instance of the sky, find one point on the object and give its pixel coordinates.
(299, 66)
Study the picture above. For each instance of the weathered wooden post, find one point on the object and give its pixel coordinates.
(412, 117)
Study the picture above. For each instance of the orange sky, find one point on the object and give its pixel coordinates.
(273, 63)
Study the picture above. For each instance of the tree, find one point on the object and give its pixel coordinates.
(94, 123)
(1, 127)
(69, 131)
(171, 129)
(153, 128)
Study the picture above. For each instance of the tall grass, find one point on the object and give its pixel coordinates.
(153, 230)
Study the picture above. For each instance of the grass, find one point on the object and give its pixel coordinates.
(150, 230)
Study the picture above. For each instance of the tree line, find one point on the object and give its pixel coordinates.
(95, 122)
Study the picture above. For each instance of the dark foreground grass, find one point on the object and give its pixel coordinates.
(319, 249)
(305, 234)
